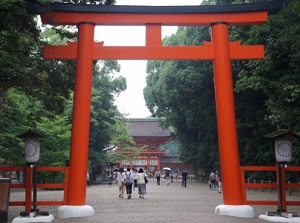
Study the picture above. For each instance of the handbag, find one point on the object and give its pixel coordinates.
(146, 180)
(123, 181)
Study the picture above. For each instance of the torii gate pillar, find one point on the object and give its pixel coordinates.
(76, 192)
(233, 193)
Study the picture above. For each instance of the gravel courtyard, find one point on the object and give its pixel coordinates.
(167, 204)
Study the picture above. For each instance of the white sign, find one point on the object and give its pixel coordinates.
(32, 151)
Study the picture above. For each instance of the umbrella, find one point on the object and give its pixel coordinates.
(167, 168)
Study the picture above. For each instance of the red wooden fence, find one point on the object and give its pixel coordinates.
(28, 185)
(285, 185)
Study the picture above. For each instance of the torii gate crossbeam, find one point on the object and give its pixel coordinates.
(220, 50)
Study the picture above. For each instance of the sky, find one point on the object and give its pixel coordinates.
(131, 101)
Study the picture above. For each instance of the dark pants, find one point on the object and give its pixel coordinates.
(129, 189)
(158, 180)
(183, 184)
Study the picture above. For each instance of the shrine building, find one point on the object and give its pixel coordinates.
(149, 135)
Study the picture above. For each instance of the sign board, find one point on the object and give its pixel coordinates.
(4, 198)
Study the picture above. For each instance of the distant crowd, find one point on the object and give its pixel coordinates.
(130, 180)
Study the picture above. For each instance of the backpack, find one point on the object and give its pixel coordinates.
(128, 179)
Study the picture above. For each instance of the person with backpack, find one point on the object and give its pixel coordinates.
(157, 175)
(128, 182)
(213, 180)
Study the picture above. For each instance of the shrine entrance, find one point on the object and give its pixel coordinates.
(220, 50)
(149, 135)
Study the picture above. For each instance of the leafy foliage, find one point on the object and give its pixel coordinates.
(266, 91)
(106, 128)
(13, 122)
(37, 93)
(182, 93)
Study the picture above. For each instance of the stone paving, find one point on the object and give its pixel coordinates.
(167, 204)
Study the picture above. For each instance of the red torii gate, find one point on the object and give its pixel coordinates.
(221, 50)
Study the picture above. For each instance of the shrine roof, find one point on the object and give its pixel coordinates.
(147, 128)
(281, 132)
(169, 159)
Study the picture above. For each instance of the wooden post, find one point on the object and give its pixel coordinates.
(81, 115)
(229, 155)
(28, 188)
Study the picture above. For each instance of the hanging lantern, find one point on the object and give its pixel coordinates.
(32, 145)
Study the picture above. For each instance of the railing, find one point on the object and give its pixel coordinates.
(28, 185)
(269, 185)
(198, 179)
(261, 182)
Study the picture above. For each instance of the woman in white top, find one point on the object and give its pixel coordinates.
(141, 183)
(119, 182)
(135, 178)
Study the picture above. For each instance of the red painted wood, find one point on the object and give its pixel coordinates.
(81, 116)
(221, 51)
(128, 19)
(205, 52)
(229, 156)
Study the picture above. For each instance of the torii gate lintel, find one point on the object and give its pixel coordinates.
(155, 52)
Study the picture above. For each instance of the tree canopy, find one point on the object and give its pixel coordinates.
(37, 93)
(266, 91)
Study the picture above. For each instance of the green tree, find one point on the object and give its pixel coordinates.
(182, 93)
(55, 146)
(13, 122)
(276, 75)
(107, 130)
(44, 87)
(21, 64)
(266, 92)
(271, 83)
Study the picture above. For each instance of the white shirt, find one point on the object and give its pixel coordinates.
(141, 178)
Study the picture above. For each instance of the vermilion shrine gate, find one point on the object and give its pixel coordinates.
(220, 50)
(147, 134)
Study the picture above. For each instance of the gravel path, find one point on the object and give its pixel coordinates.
(163, 203)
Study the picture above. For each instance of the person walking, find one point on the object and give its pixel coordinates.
(120, 182)
(157, 175)
(141, 183)
(213, 180)
(135, 178)
(219, 179)
(184, 175)
(128, 182)
(110, 177)
(168, 177)
(176, 174)
(88, 179)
